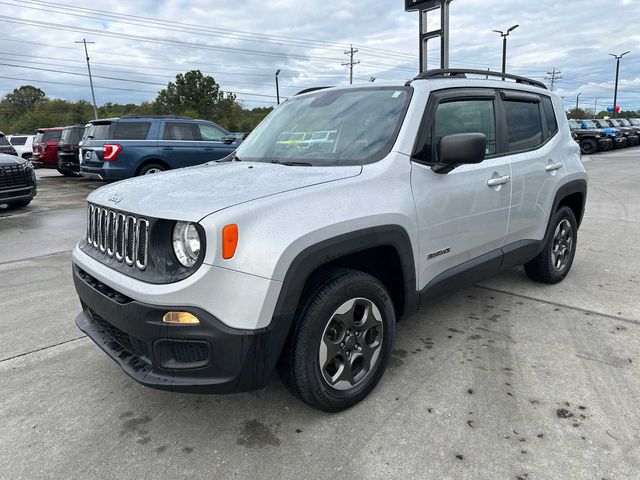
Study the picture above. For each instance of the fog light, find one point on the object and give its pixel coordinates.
(180, 318)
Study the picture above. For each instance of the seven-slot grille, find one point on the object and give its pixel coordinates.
(12, 176)
(118, 235)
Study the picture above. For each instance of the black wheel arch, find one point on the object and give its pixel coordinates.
(573, 194)
(150, 161)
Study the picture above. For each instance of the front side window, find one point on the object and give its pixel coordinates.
(330, 127)
(181, 131)
(524, 125)
(131, 130)
(465, 116)
(210, 133)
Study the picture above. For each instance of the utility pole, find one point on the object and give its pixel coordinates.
(553, 77)
(578, 100)
(277, 87)
(595, 108)
(351, 52)
(615, 93)
(504, 36)
(93, 93)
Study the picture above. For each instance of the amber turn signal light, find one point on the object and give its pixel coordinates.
(229, 241)
(183, 318)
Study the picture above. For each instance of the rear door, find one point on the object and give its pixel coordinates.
(536, 162)
(462, 215)
(213, 141)
(180, 144)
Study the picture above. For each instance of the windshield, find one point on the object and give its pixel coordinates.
(330, 127)
(622, 122)
(589, 124)
(635, 121)
(575, 125)
(72, 135)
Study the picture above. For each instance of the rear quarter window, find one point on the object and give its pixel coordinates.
(131, 130)
(550, 116)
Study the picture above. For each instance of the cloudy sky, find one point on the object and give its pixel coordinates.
(140, 45)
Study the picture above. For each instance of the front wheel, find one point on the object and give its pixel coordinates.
(341, 344)
(554, 262)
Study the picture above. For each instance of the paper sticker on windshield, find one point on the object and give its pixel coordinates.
(396, 94)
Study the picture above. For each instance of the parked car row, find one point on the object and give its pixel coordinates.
(124, 147)
(601, 135)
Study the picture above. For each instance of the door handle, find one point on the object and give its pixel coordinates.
(553, 166)
(496, 182)
(167, 148)
(208, 149)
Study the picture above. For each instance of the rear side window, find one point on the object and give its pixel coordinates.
(466, 116)
(18, 140)
(181, 131)
(524, 125)
(131, 130)
(550, 116)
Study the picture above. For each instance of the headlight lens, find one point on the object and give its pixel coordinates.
(186, 243)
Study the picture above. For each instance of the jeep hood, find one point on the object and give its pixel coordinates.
(193, 193)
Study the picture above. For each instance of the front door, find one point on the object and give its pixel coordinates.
(462, 215)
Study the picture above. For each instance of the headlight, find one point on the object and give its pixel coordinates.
(598, 135)
(186, 243)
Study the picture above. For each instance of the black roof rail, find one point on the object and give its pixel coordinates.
(308, 90)
(462, 73)
(135, 115)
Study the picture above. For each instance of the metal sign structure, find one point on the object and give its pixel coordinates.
(424, 7)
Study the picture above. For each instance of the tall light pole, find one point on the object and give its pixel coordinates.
(578, 100)
(504, 46)
(93, 93)
(277, 87)
(615, 93)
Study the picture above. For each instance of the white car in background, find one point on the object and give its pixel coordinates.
(23, 143)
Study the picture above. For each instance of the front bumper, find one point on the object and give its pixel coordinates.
(605, 144)
(206, 358)
(620, 142)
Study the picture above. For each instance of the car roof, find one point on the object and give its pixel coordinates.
(49, 129)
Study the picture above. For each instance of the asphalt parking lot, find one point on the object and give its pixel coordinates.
(505, 380)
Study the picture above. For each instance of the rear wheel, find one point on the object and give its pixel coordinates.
(341, 344)
(554, 262)
(588, 146)
(151, 168)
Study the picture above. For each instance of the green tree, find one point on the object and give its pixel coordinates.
(21, 101)
(578, 114)
(199, 94)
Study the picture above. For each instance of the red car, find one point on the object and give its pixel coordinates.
(45, 147)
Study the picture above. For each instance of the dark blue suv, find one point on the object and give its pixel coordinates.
(132, 145)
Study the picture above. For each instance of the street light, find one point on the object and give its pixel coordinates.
(504, 46)
(277, 87)
(578, 100)
(615, 93)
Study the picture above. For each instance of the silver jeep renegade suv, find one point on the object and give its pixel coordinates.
(344, 210)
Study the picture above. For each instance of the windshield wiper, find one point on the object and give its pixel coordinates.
(293, 164)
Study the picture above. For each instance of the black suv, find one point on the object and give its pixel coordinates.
(629, 133)
(17, 181)
(118, 148)
(590, 141)
(69, 150)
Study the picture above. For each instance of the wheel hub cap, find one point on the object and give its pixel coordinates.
(562, 245)
(351, 342)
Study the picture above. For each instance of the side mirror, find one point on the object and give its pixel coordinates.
(229, 139)
(460, 149)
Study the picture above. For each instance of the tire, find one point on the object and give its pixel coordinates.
(548, 267)
(608, 147)
(20, 203)
(68, 173)
(151, 168)
(588, 146)
(344, 317)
